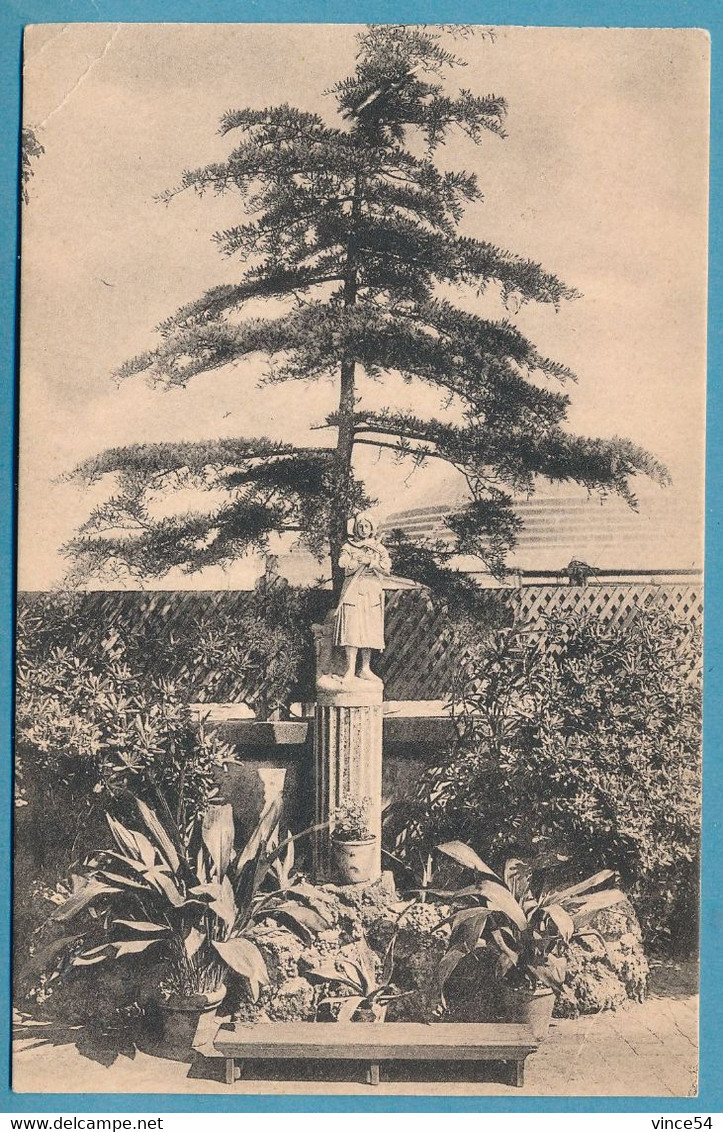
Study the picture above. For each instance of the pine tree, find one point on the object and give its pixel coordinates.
(357, 229)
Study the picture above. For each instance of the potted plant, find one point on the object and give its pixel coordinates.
(354, 846)
(355, 971)
(190, 900)
(525, 925)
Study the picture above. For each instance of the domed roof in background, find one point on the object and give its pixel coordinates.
(562, 522)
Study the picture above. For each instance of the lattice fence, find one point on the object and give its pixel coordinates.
(617, 604)
(613, 603)
(420, 659)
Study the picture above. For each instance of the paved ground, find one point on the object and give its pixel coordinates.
(648, 1049)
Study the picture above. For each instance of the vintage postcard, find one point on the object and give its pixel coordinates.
(358, 687)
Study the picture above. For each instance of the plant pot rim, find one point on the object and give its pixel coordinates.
(353, 840)
(193, 1003)
(369, 1017)
(538, 992)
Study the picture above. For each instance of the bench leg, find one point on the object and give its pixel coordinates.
(518, 1073)
(233, 1070)
(373, 1073)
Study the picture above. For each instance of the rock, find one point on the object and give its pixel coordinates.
(604, 970)
(361, 918)
(603, 973)
(294, 1001)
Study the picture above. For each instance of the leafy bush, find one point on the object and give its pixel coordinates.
(586, 741)
(256, 647)
(521, 918)
(186, 899)
(88, 730)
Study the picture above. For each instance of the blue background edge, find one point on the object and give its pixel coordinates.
(638, 13)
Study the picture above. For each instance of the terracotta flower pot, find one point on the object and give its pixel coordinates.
(365, 1014)
(180, 1016)
(531, 1008)
(354, 861)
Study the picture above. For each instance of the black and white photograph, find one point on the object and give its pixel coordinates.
(359, 609)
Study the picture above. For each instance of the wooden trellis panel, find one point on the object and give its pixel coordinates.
(616, 603)
(420, 659)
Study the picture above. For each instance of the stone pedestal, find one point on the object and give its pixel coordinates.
(347, 760)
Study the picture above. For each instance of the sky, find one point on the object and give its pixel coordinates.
(602, 179)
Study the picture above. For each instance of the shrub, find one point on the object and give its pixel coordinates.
(269, 642)
(88, 730)
(256, 647)
(588, 741)
(185, 899)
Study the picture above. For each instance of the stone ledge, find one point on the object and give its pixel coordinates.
(405, 721)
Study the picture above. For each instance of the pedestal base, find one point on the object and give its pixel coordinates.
(347, 762)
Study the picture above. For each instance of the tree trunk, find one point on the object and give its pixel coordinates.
(347, 399)
(344, 452)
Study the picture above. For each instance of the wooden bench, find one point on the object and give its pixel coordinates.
(373, 1043)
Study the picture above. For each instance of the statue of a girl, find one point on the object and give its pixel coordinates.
(359, 616)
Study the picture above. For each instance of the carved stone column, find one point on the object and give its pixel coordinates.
(347, 751)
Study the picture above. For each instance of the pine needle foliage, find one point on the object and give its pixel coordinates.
(355, 226)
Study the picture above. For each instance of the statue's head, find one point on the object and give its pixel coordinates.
(363, 528)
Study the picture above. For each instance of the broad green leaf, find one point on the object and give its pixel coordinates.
(307, 920)
(83, 961)
(166, 886)
(463, 855)
(286, 865)
(77, 901)
(551, 973)
(467, 927)
(244, 957)
(557, 966)
(349, 1007)
(124, 882)
(222, 900)
(583, 886)
(596, 903)
(266, 825)
(282, 865)
(218, 833)
(132, 946)
(201, 867)
(447, 965)
(388, 963)
(505, 948)
(562, 920)
(155, 826)
(500, 899)
(134, 864)
(147, 851)
(193, 942)
(124, 838)
(143, 925)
